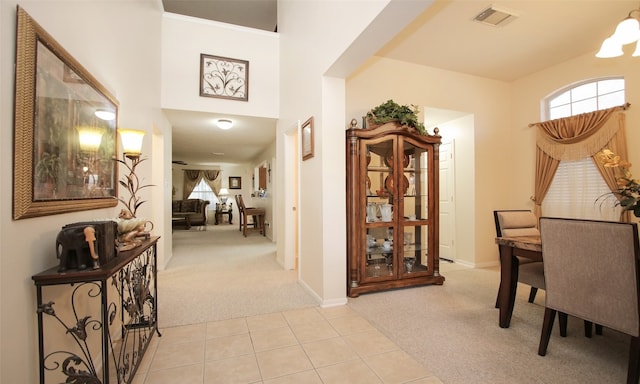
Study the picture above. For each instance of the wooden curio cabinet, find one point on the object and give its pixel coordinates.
(392, 208)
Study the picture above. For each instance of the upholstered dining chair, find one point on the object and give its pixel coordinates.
(256, 214)
(515, 223)
(592, 272)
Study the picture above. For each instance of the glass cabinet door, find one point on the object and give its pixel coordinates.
(397, 221)
(415, 219)
(379, 221)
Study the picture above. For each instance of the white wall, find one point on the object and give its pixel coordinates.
(118, 43)
(529, 91)
(482, 164)
(500, 161)
(321, 42)
(185, 38)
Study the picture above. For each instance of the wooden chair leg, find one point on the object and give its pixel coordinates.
(547, 327)
(588, 329)
(513, 284)
(532, 294)
(562, 319)
(633, 370)
(244, 226)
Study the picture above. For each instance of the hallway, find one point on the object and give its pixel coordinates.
(217, 274)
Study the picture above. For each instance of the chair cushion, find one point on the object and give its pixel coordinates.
(176, 205)
(517, 219)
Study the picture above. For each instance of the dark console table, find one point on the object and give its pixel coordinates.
(94, 326)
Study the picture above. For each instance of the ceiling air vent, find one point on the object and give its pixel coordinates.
(495, 16)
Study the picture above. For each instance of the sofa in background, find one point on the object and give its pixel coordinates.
(191, 211)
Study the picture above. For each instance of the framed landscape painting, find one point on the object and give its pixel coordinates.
(64, 146)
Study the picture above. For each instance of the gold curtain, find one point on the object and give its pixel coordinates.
(191, 179)
(617, 145)
(574, 138)
(211, 178)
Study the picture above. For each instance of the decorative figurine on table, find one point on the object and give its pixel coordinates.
(131, 230)
(90, 237)
(79, 245)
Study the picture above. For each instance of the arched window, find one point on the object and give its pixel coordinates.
(577, 187)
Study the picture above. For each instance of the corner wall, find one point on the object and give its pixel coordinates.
(118, 43)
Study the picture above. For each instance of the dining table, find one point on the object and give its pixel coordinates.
(511, 247)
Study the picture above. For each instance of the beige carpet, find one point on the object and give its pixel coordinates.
(218, 274)
(451, 329)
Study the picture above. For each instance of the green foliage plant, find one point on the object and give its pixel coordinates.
(391, 111)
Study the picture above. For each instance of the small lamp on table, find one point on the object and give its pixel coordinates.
(223, 194)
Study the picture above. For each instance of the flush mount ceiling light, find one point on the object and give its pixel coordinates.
(224, 123)
(627, 32)
(105, 114)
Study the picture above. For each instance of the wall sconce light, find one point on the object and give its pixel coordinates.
(131, 142)
(224, 193)
(224, 124)
(90, 138)
(132, 150)
(627, 32)
(105, 114)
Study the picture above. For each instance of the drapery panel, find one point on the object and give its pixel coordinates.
(212, 179)
(193, 176)
(574, 138)
(191, 179)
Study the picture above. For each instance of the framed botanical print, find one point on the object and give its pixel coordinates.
(224, 78)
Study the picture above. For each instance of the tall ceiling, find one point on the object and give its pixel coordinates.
(543, 33)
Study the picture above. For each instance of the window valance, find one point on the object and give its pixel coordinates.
(576, 137)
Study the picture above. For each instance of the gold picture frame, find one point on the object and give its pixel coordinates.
(307, 139)
(56, 101)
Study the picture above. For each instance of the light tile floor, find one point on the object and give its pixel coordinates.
(311, 345)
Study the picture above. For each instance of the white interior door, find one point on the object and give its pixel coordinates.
(447, 203)
(290, 197)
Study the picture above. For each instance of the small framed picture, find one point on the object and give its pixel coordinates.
(235, 182)
(307, 139)
(224, 78)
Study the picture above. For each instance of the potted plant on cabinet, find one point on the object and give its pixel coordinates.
(390, 111)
